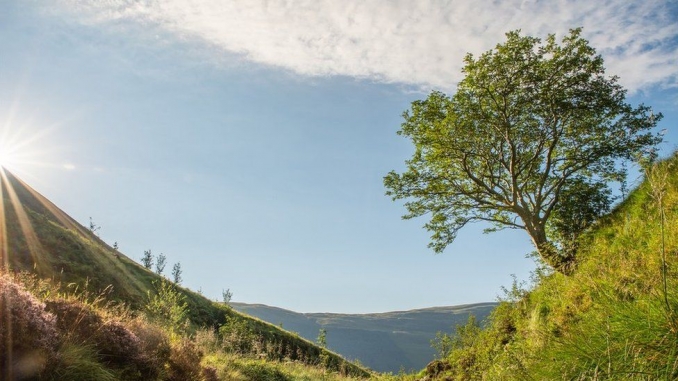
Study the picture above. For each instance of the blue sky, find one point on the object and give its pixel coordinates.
(249, 143)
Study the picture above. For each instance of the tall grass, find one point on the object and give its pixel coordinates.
(80, 362)
(616, 340)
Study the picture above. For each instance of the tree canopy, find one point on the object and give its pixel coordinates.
(533, 133)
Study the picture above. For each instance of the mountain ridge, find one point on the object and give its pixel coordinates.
(452, 307)
(384, 341)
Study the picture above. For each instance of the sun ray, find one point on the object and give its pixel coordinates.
(63, 218)
(19, 148)
(34, 246)
(4, 257)
(4, 263)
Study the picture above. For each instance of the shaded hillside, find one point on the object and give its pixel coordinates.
(40, 238)
(383, 341)
(615, 317)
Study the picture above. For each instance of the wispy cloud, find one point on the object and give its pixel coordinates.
(403, 41)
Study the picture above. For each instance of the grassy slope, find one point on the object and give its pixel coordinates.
(44, 240)
(613, 319)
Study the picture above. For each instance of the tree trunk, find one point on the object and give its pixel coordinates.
(561, 261)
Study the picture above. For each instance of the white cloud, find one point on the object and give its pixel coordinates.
(414, 42)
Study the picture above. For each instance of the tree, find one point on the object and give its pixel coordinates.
(176, 273)
(322, 338)
(160, 263)
(324, 356)
(529, 121)
(147, 259)
(115, 250)
(226, 296)
(93, 227)
(581, 203)
(167, 306)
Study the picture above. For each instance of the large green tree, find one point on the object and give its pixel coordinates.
(530, 122)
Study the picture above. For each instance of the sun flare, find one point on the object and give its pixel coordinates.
(14, 152)
(26, 145)
(8, 155)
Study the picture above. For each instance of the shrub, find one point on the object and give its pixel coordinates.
(77, 321)
(155, 347)
(258, 370)
(209, 373)
(168, 307)
(28, 335)
(184, 361)
(207, 340)
(115, 344)
(237, 336)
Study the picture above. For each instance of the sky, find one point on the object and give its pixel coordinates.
(248, 140)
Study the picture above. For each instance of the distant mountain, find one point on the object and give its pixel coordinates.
(384, 342)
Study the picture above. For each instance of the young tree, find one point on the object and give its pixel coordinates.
(322, 338)
(324, 357)
(160, 263)
(115, 250)
(167, 306)
(147, 259)
(529, 121)
(226, 296)
(93, 227)
(176, 273)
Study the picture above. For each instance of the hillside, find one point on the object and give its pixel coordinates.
(385, 342)
(81, 270)
(615, 317)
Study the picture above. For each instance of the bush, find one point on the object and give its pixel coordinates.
(208, 341)
(168, 307)
(184, 361)
(79, 323)
(257, 370)
(115, 344)
(209, 373)
(155, 347)
(237, 336)
(28, 334)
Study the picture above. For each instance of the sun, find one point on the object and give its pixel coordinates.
(23, 146)
(10, 151)
(8, 155)
(31, 144)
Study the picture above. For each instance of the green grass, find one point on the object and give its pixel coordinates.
(80, 362)
(615, 318)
